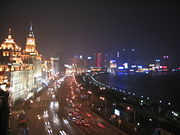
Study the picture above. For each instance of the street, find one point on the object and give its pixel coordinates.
(48, 113)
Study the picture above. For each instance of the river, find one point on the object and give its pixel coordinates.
(157, 87)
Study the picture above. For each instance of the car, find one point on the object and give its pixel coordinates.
(79, 117)
(73, 119)
(24, 128)
(70, 113)
(78, 122)
(89, 115)
(62, 132)
(49, 131)
(85, 123)
(75, 113)
(53, 96)
(79, 106)
(47, 123)
(24, 131)
(76, 109)
(101, 125)
(22, 118)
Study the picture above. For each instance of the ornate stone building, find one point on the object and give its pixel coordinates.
(31, 56)
(20, 70)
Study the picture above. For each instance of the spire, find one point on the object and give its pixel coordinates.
(9, 35)
(31, 34)
(9, 31)
(31, 26)
(9, 38)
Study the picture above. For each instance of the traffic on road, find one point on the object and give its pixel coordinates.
(58, 111)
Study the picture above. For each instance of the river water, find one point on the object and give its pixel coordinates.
(157, 87)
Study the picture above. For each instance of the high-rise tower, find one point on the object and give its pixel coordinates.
(98, 59)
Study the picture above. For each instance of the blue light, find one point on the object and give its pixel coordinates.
(125, 65)
(139, 66)
(157, 60)
(133, 66)
(120, 67)
(112, 61)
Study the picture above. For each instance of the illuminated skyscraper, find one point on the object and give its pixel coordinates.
(98, 59)
(89, 62)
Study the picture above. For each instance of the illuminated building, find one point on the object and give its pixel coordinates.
(31, 56)
(11, 67)
(106, 61)
(90, 63)
(126, 56)
(55, 65)
(113, 64)
(47, 73)
(50, 69)
(166, 63)
(79, 62)
(98, 60)
(20, 71)
(158, 63)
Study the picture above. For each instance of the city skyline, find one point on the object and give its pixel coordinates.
(87, 27)
(84, 67)
(111, 55)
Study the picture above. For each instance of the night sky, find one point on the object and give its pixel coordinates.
(84, 27)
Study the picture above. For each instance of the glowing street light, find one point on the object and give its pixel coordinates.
(131, 109)
(105, 109)
(90, 92)
(128, 108)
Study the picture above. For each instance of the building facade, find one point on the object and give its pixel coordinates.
(20, 70)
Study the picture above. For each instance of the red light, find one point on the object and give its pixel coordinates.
(164, 66)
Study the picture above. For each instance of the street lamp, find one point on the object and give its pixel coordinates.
(104, 99)
(90, 92)
(134, 115)
(159, 112)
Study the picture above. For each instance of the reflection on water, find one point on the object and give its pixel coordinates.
(166, 88)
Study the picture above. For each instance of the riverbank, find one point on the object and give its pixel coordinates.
(140, 113)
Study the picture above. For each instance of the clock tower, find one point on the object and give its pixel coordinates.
(30, 43)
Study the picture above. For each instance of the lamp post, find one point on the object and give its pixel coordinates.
(134, 115)
(90, 92)
(105, 109)
(159, 112)
(135, 128)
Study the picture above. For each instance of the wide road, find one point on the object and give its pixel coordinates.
(48, 113)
